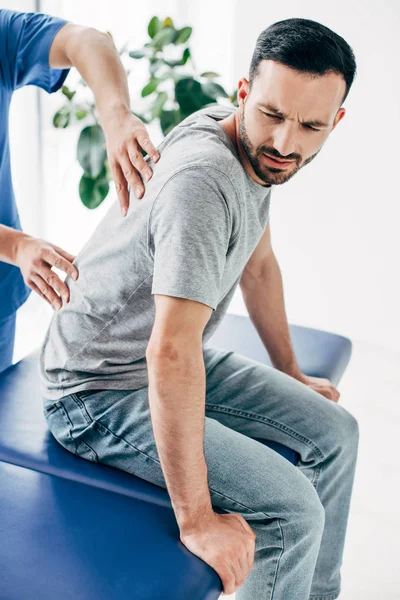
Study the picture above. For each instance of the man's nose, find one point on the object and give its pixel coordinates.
(284, 139)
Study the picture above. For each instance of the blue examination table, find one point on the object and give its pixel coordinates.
(74, 530)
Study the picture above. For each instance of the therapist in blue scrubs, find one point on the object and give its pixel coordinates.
(37, 49)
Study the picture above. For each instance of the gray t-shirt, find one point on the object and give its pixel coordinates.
(189, 237)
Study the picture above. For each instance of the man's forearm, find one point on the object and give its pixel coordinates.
(95, 57)
(177, 406)
(263, 295)
(9, 240)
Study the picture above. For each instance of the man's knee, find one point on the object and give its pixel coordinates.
(310, 514)
(345, 430)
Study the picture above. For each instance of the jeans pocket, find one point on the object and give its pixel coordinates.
(82, 394)
(85, 451)
(49, 409)
(59, 424)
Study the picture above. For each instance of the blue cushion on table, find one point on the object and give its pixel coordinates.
(160, 562)
(319, 353)
(63, 540)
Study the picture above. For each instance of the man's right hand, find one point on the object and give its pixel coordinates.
(35, 258)
(225, 542)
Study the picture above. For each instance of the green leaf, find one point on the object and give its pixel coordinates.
(91, 151)
(190, 95)
(186, 56)
(168, 22)
(67, 92)
(163, 37)
(161, 99)
(137, 54)
(234, 99)
(154, 27)
(62, 117)
(214, 90)
(183, 35)
(181, 61)
(92, 191)
(169, 119)
(150, 87)
(209, 75)
(81, 113)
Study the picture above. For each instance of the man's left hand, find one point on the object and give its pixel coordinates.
(322, 386)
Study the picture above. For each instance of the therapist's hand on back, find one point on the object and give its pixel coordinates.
(126, 137)
(35, 258)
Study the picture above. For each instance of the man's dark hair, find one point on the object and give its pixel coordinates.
(306, 46)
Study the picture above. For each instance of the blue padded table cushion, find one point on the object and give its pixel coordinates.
(319, 353)
(63, 540)
(25, 442)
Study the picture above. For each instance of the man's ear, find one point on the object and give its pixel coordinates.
(243, 91)
(339, 116)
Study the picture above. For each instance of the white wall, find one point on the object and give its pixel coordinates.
(334, 225)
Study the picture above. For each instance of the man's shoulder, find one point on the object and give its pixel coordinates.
(199, 143)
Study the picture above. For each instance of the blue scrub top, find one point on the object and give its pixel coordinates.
(25, 40)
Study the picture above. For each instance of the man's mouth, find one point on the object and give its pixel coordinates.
(274, 162)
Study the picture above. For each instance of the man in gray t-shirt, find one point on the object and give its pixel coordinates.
(126, 378)
(191, 237)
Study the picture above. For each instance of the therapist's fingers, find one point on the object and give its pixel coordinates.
(46, 291)
(72, 270)
(52, 279)
(145, 143)
(64, 253)
(131, 174)
(137, 160)
(35, 288)
(56, 259)
(121, 186)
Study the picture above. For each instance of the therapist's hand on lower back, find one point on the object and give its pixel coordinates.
(35, 258)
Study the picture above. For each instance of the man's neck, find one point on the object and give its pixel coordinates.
(231, 126)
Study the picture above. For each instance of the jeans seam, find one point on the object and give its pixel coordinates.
(81, 406)
(278, 561)
(68, 421)
(276, 424)
(92, 452)
(317, 473)
(331, 596)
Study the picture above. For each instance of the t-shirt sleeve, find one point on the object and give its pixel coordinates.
(25, 41)
(189, 235)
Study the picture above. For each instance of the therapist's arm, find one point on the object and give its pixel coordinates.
(94, 55)
(262, 289)
(35, 258)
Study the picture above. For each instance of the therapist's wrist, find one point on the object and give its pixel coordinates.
(19, 239)
(10, 241)
(112, 112)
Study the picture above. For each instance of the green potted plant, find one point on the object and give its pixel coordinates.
(173, 91)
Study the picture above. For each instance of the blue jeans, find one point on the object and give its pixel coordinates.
(299, 513)
(7, 339)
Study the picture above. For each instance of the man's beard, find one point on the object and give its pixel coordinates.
(267, 174)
